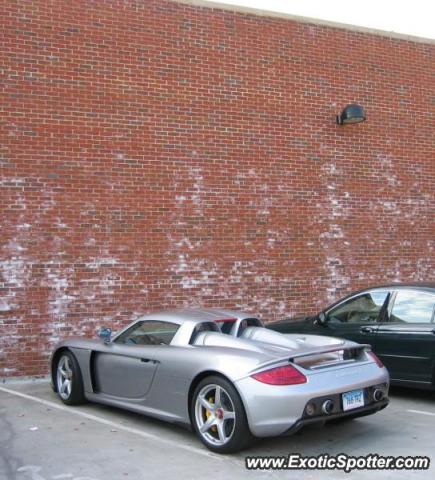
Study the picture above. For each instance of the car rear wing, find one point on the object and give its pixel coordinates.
(322, 357)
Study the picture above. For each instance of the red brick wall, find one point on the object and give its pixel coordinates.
(158, 155)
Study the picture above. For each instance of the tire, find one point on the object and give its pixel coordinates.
(228, 430)
(69, 382)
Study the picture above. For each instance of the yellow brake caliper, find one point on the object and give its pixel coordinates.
(208, 413)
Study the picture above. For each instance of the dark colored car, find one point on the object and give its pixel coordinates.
(397, 320)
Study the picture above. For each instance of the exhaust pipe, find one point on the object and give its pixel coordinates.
(378, 395)
(327, 407)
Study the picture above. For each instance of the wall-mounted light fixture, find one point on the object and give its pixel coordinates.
(352, 113)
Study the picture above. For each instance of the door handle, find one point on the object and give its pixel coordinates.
(367, 329)
(148, 360)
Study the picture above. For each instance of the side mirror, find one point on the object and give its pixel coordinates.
(105, 334)
(320, 319)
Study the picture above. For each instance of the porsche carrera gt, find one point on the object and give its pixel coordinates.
(222, 374)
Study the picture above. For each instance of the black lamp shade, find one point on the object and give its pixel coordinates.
(352, 113)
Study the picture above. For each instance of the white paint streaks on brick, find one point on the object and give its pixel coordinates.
(332, 239)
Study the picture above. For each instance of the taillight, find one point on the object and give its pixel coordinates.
(286, 375)
(376, 359)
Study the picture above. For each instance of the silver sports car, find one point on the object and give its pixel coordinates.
(223, 374)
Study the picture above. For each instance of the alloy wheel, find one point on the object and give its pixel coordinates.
(64, 377)
(215, 414)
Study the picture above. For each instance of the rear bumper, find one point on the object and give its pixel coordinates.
(275, 410)
(358, 412)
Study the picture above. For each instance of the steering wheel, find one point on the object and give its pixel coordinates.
(366, 317)
(152, 340)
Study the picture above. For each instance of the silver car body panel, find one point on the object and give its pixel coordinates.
(157, 380)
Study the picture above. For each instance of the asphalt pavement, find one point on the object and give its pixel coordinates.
(42, 439)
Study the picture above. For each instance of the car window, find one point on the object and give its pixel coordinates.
(413, 307)
(364, 308)
(149, 332)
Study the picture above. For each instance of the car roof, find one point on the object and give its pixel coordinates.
(196, 315)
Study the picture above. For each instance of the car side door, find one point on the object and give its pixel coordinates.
(357, 318)
(126, 367)
(406, 339)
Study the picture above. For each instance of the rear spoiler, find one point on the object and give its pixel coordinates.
(355, 348)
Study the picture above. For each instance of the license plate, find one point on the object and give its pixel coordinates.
(353, 399)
